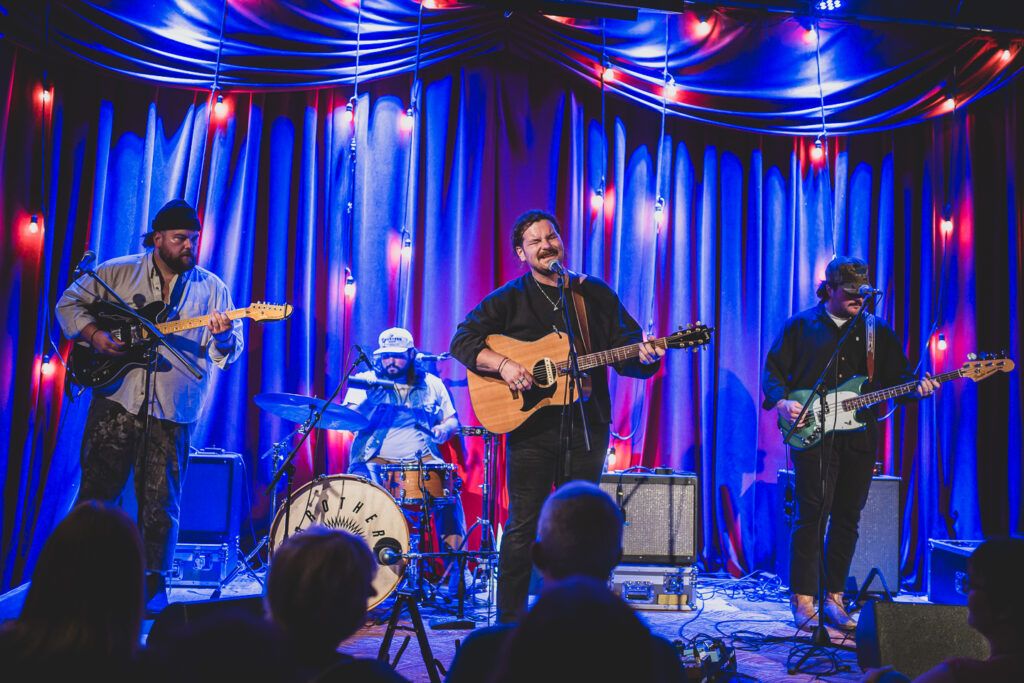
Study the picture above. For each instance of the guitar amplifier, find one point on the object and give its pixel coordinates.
(661, 516)
(211, 498)
(879, 543)
(202, 564)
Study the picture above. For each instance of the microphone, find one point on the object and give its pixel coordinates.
(86, 263)
(867, 290)
(388, 551)
(433, 356)
(556, 267)
(366, 383)
(362, 356)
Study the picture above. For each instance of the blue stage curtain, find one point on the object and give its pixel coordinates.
(749, 224)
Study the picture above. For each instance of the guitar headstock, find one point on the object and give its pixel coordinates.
(261, 311)
(978, 367)
(692, 336)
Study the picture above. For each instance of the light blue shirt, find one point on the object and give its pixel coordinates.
(177, 395)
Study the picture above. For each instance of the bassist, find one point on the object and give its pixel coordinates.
(528, 308)
(794, 362)
(116, 438)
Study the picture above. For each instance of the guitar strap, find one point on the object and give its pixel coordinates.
(176, 294)
(581, 315)
(869, 328)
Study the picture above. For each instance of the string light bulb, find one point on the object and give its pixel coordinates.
(33, 224)
(350, 283)
(597, 199)
(949, 104)
(818, 151)
(608, 74)
(703, 25)
(220, 107)
(406, 244)
(46, 95)
(349, 115)
(47, 368)
(408, 120)
(941, 343)
(670, 86)
(659, 211)
(1005, 54)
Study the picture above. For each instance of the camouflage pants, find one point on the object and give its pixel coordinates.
(112, 447)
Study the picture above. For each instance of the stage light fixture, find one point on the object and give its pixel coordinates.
(941, 343)
(33, 225)
(829, 5)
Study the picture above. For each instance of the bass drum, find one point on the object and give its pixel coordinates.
(351, 503)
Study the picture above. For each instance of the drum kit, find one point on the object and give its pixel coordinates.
(391, 514)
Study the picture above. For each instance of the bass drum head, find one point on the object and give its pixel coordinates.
(353, 504)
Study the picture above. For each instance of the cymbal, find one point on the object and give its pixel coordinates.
(298, 408)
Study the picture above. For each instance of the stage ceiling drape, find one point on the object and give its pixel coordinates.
(295, 198)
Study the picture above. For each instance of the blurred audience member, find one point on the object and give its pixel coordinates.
(317, 591)
(83, 611)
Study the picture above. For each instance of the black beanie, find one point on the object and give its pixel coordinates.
(176, 214)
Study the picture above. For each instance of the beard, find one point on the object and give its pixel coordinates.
(181, 263)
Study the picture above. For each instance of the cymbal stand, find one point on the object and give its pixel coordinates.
(276, 454)
(488, 542)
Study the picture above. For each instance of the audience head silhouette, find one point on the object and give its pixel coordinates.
(579, 532)
(318, 587)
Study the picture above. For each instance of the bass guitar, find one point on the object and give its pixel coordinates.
(501, 409)
(838, 412)
(91, 369)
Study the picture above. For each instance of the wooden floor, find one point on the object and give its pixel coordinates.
(755, 622)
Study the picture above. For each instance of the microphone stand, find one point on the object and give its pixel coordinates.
(565, 432)
(819, 634)
(151, 356)
(314, 419)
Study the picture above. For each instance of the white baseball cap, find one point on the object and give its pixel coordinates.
(394, 340)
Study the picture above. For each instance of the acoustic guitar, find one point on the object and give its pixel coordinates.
(500, 409)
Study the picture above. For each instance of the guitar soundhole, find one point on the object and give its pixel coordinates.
(544, 373)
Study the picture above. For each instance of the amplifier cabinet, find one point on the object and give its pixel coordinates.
(879, 529)
(211, 498)
(660, 511)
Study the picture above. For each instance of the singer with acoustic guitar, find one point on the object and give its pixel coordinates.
(527, 309)
(140, 425)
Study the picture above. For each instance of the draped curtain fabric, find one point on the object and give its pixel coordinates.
(288, 204)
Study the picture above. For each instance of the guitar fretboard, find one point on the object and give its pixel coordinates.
(865, 400)
(200, 321)
(598, 358)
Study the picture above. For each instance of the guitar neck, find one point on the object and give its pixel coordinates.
(173, 326)
(599, 358)
(865, 400)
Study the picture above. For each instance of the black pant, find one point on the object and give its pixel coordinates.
(849, 460)
(112, 447)
(535, 466)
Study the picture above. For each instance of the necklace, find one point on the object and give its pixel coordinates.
(554, 304)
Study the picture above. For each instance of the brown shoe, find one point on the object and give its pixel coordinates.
(803, 611)
(835, 613)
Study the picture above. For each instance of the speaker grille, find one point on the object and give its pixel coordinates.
(660, 513)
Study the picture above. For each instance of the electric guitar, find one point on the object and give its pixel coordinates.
(501, 409)
(91, 369)
(841, 405)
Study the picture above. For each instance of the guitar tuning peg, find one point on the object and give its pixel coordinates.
(972, 356)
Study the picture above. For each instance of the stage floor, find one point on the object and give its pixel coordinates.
(755, 622)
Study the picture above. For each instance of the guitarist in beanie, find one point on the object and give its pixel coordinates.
(124, 430)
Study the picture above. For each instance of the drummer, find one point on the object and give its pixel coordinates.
(408, 421)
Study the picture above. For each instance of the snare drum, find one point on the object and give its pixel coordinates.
(439, 482)
(343, 501)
